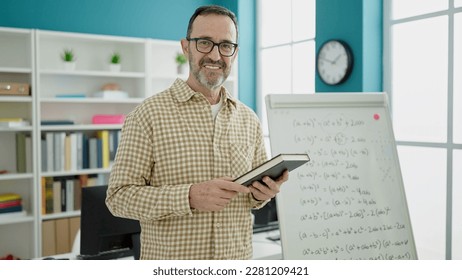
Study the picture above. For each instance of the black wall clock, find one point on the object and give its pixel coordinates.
(334, 62)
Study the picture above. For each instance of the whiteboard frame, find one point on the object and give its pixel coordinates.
(339, 100)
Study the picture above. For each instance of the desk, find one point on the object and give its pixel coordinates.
(263, 248)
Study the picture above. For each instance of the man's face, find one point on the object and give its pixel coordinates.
(212, 69)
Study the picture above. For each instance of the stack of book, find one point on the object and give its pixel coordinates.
(13, 122)
(10, 203)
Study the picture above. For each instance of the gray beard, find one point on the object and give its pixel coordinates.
(210, 85)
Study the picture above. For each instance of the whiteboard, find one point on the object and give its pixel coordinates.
(348, 202)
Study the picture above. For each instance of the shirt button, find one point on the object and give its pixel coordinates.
(218, 225)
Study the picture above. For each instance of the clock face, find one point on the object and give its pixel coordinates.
(334, 62)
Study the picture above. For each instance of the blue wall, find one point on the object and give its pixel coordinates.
(160, 19)
(359, 23)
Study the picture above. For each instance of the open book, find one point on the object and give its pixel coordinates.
(273, 168)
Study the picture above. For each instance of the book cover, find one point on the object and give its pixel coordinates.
(99, 153)
(17, 208)
(56, 122)
(49, 203)
(273, 168)
(93, 153)
(57, 197)
(9, 197)
(67, 152)
(108, 119)
(10, 203)
(77, 193)
(43, 195)
(78, 150)
(70, 194)
(59, 151)
(21, 152)
(103, 135)
(85, 149)
(50, 151)
(13, 123)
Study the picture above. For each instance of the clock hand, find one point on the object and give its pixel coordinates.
(338, 56)
(330, 61)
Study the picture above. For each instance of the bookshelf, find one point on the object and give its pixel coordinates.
(18, 230)
(33, 56)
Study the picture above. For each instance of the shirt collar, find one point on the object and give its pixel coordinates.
(184, 93)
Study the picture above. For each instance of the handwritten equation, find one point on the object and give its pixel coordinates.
(347, 199)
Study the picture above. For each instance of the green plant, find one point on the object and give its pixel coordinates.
(68, 55)
(115, 58)
(180, 59)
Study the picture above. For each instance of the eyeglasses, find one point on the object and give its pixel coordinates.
(206, 46)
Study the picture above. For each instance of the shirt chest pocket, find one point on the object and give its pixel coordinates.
(241, 158)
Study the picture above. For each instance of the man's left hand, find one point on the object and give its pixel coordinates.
(271, 187)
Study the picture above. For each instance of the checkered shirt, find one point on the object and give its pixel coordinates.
(169, 142)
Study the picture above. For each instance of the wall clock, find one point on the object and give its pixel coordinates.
(334, 62)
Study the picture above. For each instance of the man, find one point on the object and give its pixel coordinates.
(181, 149)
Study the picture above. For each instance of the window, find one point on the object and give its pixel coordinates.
(286, 49)
(423, 57)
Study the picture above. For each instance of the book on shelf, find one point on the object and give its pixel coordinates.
(10, 202)
(108, 119)
(11, 209)
(273, 168)
(23, 153)
(20, 152)
(13, 122)
(111, 94)
(71, 95)
(59, 150)
(57, 196)
(49, 204)
(57, 122)
(103, 135)
(50, 151)
(4, 197)
(70, 151)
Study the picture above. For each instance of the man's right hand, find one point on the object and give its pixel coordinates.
(215, 194)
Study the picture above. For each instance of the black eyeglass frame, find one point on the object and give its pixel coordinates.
(213, 46)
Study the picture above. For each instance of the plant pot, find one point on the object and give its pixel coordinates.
(69, 65)
(181, 69)
(115, 67)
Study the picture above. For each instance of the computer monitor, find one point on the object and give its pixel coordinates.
(266, 218)
(102, 235)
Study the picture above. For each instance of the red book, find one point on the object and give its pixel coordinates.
(10, 203)
(108, 119)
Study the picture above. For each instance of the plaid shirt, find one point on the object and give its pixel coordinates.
(169, 142)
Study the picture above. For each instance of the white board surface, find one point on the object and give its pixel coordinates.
(348, 202)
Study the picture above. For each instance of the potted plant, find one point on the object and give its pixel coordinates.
(68, 58)
(181, 61)
(114, 64)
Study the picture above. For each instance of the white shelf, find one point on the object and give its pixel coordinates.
(16, 176)
(92, 100)
(14, 218)
(16, 129)
(68, 214)
(80, 127)
(93, 73)
(33, 56)
(17, 65)
(20, 70)
(17, 99)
